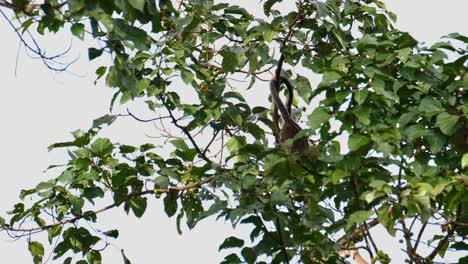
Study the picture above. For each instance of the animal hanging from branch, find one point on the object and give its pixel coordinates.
(289, 128)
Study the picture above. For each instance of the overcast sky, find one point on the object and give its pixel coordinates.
(39, 107)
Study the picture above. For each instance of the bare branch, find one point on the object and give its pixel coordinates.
(418, 239)
(211, 141)
(49, 61)
(443, 241)
(145, 120)
(187, 133)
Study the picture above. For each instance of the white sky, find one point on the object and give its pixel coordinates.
(38, 108)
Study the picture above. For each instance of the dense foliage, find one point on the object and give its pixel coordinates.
(388, 124)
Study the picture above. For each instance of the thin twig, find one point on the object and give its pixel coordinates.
(281, 240)
(145, 120)
(47, 60)
(186, 132)
(418, 239)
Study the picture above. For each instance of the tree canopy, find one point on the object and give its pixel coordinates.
(386, 129)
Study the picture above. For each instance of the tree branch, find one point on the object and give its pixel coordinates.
(442, 243)
(281, 240)
(145, 120)
(126, 198)
(211, 141)
(418, 239)
(356, 233)
(48, 61)
(409, 248)
(186, 132)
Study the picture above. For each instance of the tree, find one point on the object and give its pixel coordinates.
(386, 129)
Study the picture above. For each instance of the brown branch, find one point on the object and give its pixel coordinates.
(409, 248)
(418, 239)
(187, 133)
(126, 198)
(368, 234)
(196, 61)
(441, 244)
(18, 8)
(8, 5)
(356, 233)
(145, 120)
(48, 61)
(367, 243)
(451, 231)
(211, 141)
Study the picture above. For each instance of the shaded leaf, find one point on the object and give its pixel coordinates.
(231, 242)
(318, 116)
(356, 141)
(447, 122)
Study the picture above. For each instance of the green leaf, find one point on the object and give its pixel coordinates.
(360, 96)
(436, 141)
(137, 36)
(430, 106)
(54, 232)
(125, 259)
(329, 77)
(407, 118)
(102, 147)
(94, 53)
(415, 131)
(231, 242)
(146, 147)
(125, 149)
(464, 161)
(318, 116)
(249, 255)
(77, 29)
(104, 120)
(385, 217)
(447, 123)
(337, 175)
(187, 76)
(321, 9)
(138, 206)
(356, 141)
(234, 144)
(403, 54)
(94, 257)
(379, 86)
(303, 87)
(357, 218)
(100, 72)
(363, 114)
(37, 251)
(170, 203)
(458, 36)
(161, 182)
(112, 233)
(249, 181)
(268, 5)
(138, 4)
(370, 196)
(229, 62)
(180, 144)
(76, 5)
